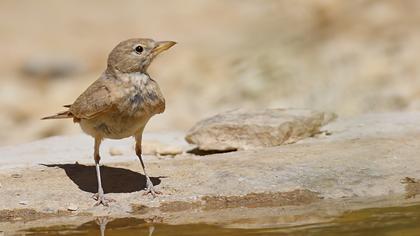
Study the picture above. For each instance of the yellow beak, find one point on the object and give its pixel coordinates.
(162, 46)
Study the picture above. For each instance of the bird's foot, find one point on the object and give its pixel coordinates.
(150, 189)
(101, 199)
(102, 220)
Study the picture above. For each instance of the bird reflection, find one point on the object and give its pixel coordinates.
(102, 221)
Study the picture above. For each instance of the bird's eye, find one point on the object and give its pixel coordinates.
(139, 49)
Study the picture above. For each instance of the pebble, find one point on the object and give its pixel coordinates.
(169, 150)
(23, 202)
(72, 207)
(150, 147)
(115, 152)
(16, 176)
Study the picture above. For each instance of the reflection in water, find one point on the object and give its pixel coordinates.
(134, 226)
(103, 221)
(393, 221)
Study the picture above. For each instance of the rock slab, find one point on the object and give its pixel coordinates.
(242, 130)
(370, 159)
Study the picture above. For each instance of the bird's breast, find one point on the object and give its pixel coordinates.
(142, 97)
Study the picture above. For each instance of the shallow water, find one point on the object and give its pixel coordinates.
(390, 221)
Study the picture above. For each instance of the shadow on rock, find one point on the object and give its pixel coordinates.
(199, 152)
(114, 180)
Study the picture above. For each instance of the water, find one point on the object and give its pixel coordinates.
(392, 221)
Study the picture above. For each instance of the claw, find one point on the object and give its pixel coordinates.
(101, 199)
(150, 189)
(102, 220)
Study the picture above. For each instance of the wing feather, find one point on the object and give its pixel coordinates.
(95, 100)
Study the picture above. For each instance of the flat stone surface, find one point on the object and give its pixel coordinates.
(243, 129)
(373, 156)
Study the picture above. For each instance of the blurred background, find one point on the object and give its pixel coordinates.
(349, 57)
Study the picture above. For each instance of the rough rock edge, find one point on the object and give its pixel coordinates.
(304, 121)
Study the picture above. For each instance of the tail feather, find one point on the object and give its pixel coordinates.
(61, 115)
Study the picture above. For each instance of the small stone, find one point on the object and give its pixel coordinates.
(169, 150)
(150, 147)
(16, 176)
(72, 207)
(159, 148)
(23, 202)
(115, 152)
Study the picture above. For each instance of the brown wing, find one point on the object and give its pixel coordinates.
(95, 100)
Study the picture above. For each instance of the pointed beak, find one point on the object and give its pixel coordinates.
(162, 46)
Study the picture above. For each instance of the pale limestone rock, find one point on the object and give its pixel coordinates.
(240, 129)
(364, 158)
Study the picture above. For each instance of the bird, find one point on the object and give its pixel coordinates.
(120, 102)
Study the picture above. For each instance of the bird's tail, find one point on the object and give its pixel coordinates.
(61, 115)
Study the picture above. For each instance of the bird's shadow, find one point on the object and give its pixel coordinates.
(114, 179)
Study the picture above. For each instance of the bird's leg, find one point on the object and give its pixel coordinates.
(151, 230)
(100, 196)
(102, 221)
(149, 185)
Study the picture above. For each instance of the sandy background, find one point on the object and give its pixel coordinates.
(349, 57)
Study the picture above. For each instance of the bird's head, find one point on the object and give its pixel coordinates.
(135, 55)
